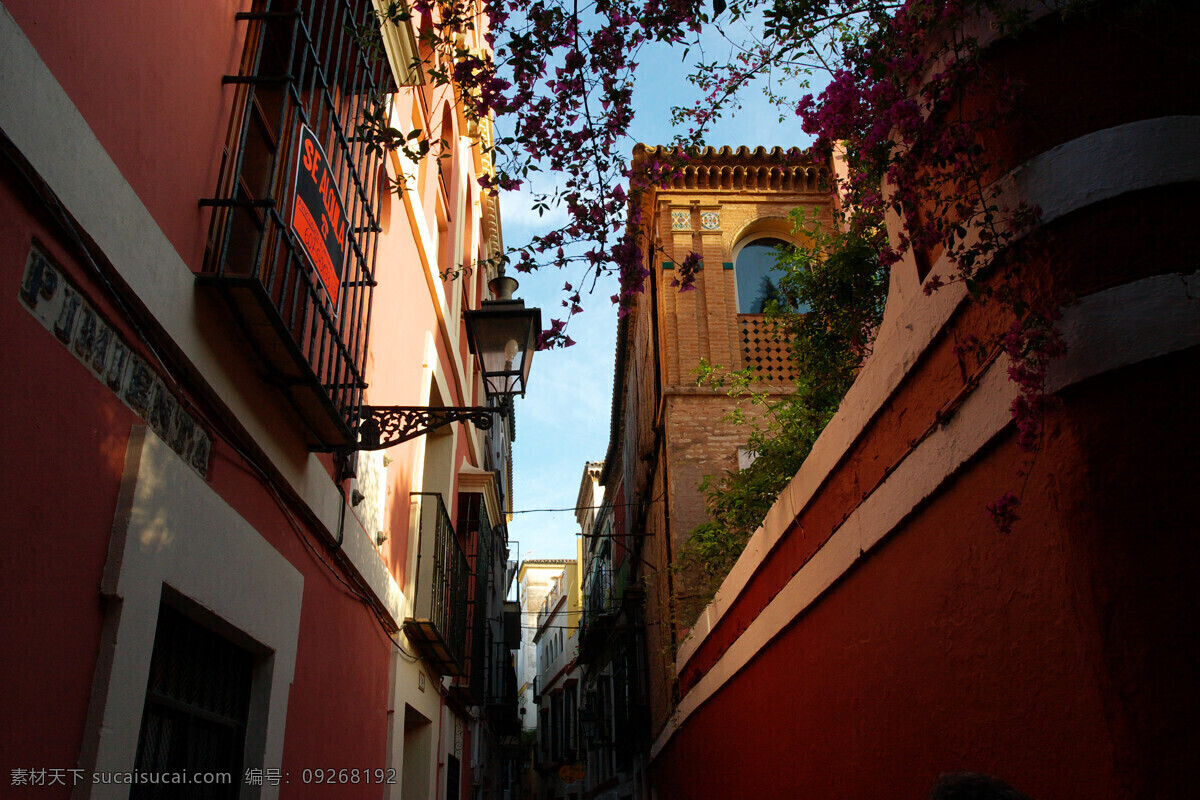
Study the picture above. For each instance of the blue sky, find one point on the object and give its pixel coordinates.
(563, 421)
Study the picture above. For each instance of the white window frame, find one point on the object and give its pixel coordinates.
(172, 530)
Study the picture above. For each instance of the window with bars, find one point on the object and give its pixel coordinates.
(196, 711)
(477, 538)
(570, 722)
(304, 74)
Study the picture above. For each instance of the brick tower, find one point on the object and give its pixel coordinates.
(730, 207)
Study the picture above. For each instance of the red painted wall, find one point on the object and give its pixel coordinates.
(1060, 657)
(63, 453)
(63, 458)
(337, 707)
(161, 113)
(147, 77)
(1081, 254)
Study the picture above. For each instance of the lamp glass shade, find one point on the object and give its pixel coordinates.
(504, 335)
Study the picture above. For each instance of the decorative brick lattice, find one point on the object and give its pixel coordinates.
(764, 348)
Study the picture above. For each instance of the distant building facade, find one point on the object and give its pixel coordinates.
(534, 580)
(560, 773)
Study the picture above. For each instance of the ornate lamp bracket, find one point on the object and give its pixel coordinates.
(380, 427)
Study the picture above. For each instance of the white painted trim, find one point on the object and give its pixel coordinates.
(481, 481)
(1089, 169)
(400, 44)
(42, 121)
(171, 529)
(458, 228)
(431, 376)
(1104, 331)
(1111, 162)
(1127, 324)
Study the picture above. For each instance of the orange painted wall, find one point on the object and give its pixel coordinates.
(1059, 657)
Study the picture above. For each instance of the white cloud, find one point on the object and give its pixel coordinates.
(519, 219)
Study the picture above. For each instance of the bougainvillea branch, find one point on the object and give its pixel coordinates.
(561, 74)
(898, 107)
(561, 80)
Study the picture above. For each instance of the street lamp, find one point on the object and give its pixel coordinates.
(590, 726)
(503, 334)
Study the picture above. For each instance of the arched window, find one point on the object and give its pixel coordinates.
(756, 273)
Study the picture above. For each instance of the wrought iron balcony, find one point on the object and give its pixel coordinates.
(438, 625)
(601, 606)
(599, 597)
(483, 609)
(293, 262)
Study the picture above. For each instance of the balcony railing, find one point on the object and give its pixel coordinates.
(599, 598)
(438, 625)
(301, 69)
(601, 605)
(480, 539)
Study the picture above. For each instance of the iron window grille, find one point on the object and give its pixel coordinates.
(438, 626)
(303, 66)
(197, 708)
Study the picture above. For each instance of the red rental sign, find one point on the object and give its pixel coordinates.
(318, 214)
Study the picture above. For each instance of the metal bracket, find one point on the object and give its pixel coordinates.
(384, 426)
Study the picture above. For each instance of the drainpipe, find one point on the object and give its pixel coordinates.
(342, 473)
(437, 781)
